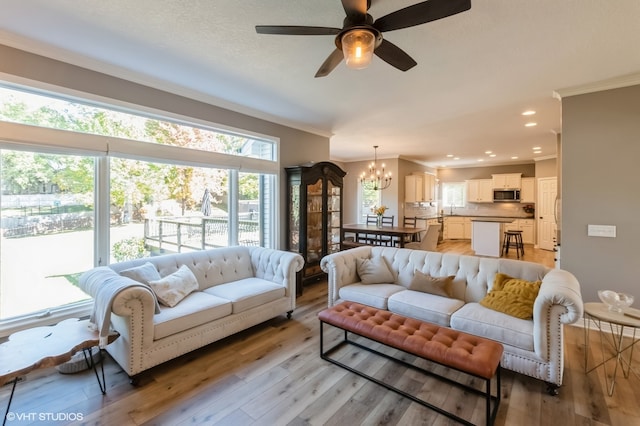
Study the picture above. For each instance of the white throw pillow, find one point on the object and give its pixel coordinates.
(175, 287)
(143, 273)
(374, 271)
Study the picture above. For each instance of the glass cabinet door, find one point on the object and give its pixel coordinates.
(314, 218)
(314, 221)
(294, 218)
(333, 217)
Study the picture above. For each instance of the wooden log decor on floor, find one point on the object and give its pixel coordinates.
(475, 356)
(49, 346)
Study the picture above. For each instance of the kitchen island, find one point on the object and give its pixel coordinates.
(486, 235)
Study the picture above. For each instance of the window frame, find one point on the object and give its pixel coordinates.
(15, 136)
(363, 211)
(460, 187)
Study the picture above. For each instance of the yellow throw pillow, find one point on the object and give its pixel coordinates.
(512, 296)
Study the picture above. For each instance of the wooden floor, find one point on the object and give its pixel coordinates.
(272, 375)
(531, 254)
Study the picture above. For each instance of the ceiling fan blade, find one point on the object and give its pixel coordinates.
(356, 8)
(421, 13)
(295, 30)
(330, 63)
(394, 56)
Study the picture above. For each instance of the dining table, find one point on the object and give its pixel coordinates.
(398, 234)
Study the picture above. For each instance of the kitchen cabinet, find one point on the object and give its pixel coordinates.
(461, 227)
(457, 228)
(413, 189)
(419, 188)
(429, 187)
(480, 191)
(527, 191)
(487, 236)
(467, 228)
(527, 226)
(454, 228)
(507, 181)
(314, 215)
(513, 226)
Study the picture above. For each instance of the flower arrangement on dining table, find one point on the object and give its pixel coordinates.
(379, 210)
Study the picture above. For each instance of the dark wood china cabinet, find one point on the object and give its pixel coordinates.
(314, 216)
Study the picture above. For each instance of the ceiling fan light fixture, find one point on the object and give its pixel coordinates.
(357, 47)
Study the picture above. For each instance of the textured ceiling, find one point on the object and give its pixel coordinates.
(477, 71)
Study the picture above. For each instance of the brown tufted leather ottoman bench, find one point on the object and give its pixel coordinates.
(476, 356)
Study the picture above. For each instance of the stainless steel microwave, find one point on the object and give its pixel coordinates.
(506, 195)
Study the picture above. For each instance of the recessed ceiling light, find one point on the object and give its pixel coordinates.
(492, 155)
(529, 112)
(537, 152)
(535, 148)
(515, 157)
(531, 124)
(488, 152)
(449, 155)
(456, 158)
(480, 159)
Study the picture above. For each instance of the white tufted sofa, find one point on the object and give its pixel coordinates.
(532, 347)
(238, 287)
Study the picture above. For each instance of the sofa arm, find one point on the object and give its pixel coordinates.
(560, 287)
(135, 303)
(341, 269)
(559, 302)
(277, 266)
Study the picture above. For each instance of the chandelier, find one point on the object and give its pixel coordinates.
(375, 179)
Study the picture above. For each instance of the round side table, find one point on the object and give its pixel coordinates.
(611, 329)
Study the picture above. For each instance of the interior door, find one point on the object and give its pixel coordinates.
(545, 212)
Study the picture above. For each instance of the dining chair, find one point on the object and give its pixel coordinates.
(411, 222)
(375, 239)
(372, 219)
(429, 240)
(383, 239)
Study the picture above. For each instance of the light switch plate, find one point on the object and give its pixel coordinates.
(601, 231)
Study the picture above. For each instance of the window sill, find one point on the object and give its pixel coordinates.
(77, 310)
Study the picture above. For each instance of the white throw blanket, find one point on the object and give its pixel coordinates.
(104, 294)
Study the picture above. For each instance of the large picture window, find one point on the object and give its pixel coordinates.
(82, 186)
(47, 210)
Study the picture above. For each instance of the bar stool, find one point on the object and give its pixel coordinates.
(512, 239)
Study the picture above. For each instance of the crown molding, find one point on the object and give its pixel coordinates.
(598, 86)
(546, 157)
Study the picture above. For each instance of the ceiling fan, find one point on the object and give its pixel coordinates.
(360, 36)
